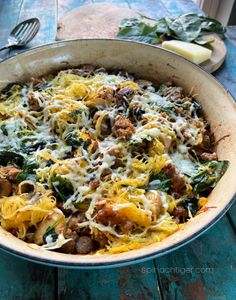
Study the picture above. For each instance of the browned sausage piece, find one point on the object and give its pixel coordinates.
(68, 247)
(84, 245)
(123, 96)
(94, 183)
(106, 93)
(66, 211)
(107, 215)
(73, 223)
(103, 98)
(5, 187)
(33, 102)
(122, 128)
(10, 172)
(209, 156)
(180, 214)
(177, 180)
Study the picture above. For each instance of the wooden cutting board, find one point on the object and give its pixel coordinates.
(102, 20)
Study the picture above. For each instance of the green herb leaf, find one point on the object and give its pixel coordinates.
(72, 140)
(167, 106)
(11, 157)
(28, 171)
(161, 102)
(10, 89)
(209, 173)
(203, 42)
(185, 27)
(209, 25)
(162, 26)
(160, 182)
(136, 29)
(52, 232)
(62, 187)
(82, 206)
(191, 205)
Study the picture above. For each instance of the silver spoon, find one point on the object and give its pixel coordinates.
(23, 33)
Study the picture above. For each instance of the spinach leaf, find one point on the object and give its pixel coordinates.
(162, 27)
(10, 89)
(161, 102)
(166, 106)
(191, 205)
(28, 170)
(162, 90)
(72, 140)
(37, 145)
(190, 27)
(209, 25)
(209, 173)
(3, 128)
(52, 232)
(11, 157)
(136, 29)
(62, 187)
(202, 42)
(160, 182)
(30, 143)
(82, 206)
(185, 27)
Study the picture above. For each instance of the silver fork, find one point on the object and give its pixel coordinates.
(23, 33)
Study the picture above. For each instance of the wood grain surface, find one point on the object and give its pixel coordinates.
(98, 20)
(204, 269)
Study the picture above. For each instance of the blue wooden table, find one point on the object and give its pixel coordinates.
(204, 269)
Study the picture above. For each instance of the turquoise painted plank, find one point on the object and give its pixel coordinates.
(203, 270)
(227, 73)
(46, 11)
(232, 216)
(65, 6)
(158, 9)
(227, 76)
(126, 283)
(181, 7)
(20, 279)
(152, 8)
(9, 11)
(116, 2)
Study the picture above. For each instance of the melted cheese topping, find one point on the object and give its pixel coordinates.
(67, 128)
